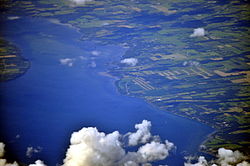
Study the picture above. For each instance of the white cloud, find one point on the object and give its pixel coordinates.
(105, 23)
(13, 17)
(244, 163)
(3, 162)
(226, 157)
(89, 147)
(191, 63)
(142, 135)
(130, 61)
(38, 163)
(1, 149)
(198, 32)
(31, 150)
(67, 61)
(82, 57)
(155, 151)
(95, 53)
(80, 2)
(130, 163)
(55, 21)
(201, 162)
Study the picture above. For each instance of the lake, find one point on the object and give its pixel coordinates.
(45, 105)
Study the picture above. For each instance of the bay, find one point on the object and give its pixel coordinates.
(45, 105)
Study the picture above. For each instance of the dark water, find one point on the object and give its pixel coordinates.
(52, 100)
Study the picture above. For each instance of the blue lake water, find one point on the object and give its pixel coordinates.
(51, 100)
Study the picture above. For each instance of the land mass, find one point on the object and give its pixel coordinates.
(12, 64)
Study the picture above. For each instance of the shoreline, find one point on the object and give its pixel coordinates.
(106, 74)
(155, 107)
(20, 58)
(115, 79)
(208, 137)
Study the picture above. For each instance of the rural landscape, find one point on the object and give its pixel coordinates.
(190, 59)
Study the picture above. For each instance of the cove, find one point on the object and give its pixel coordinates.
(45, 105)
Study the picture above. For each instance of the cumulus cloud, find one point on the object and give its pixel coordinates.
(198, 32)
(3, 162)
(226, 157)
(130, 61)
(67, 61)
(38, 163)
(80, 2)
(89, 147)
(155, 151)
(201, 162)
(142, 135)
(244, 163)
(31, 150)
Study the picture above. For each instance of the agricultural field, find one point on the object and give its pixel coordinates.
(12, 64)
